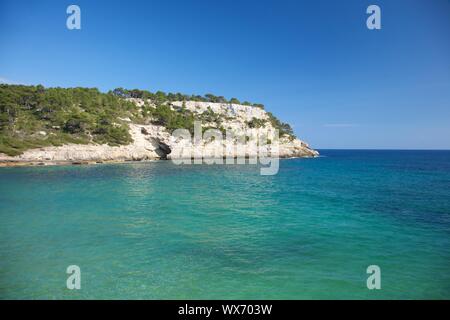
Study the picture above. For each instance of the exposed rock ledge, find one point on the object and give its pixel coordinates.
(151, 142)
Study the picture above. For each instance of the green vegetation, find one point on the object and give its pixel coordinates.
(256, 123)
(165, 116)
(34, 116)
(283, 128)
(210, 116)
(160, 97)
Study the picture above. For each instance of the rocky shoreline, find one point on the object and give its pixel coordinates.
(154, 142)
(21, 163)
(6, 161)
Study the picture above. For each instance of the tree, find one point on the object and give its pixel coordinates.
(74, 125)
(210, 97)
(121, 92)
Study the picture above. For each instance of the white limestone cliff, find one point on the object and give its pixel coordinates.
(155, 142)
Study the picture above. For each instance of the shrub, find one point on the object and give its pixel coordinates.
(256, 123)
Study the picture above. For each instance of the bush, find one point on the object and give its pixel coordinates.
(74, 126)
(256, 123)
(113, 136)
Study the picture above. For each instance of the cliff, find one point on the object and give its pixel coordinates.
(149, 126)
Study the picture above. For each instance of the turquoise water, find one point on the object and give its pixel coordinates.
(161, 231)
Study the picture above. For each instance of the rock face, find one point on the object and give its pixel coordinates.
(236, 119)
(155, 142)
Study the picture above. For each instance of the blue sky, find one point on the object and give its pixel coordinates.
(313, 63)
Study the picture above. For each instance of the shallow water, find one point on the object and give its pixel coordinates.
(161, 231)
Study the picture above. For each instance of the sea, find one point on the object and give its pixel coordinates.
(157, 230)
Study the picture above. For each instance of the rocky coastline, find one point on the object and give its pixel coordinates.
(154, 142)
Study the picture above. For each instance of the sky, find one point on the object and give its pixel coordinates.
(313, 63)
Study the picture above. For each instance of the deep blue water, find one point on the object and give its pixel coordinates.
(160, 231)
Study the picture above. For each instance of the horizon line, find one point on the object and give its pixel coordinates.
(382, 149)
